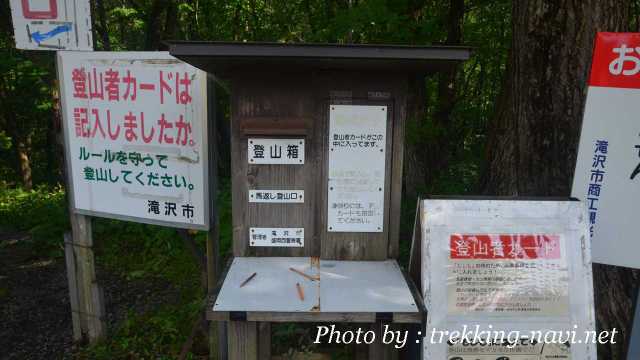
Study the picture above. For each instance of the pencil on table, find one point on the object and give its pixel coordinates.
(302, 274)
(300, 292)
(248, 279)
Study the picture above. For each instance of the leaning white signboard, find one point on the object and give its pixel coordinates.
(607, 176)
(52, 24)
(507, 280)
(135, 131)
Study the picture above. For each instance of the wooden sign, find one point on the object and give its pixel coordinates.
(357, 147)
(276, 151)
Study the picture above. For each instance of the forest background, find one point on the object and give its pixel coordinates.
(506, 122)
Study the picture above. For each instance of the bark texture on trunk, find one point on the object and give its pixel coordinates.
(534, 137)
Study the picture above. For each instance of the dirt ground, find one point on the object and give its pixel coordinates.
(35, 315)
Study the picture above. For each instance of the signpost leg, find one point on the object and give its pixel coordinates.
(633, 352)
(74, 299)
(378, 350)
(91, 303)
(217, 330)
(264, 340)
(243, 340)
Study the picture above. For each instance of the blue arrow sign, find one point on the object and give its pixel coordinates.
(60, 29)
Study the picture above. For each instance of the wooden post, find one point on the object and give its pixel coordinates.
(264, 340)
(243, 340)
(74, 300)
(217, 330)
(378, 350)
(91, 304)
(633, 351)
(86, 296)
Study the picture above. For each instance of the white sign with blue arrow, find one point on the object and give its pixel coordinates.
(52, 24)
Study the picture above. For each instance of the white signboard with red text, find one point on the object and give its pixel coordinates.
(607, 176)
(52, 24)
(506, 276)
(135, 129)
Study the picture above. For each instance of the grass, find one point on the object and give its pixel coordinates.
(133, 251)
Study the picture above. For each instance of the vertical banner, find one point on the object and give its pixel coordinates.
(607, 175)
(135, 129)
(507, 280)
(52, 24)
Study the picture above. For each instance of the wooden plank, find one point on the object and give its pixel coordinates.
(217, 331)
(415, 255)
(264, 340)
(400, 87)
(243, 340)
(352, 317)
(354, 88)
(97, 297)
(89, 304)
(378, 350)
(267, 97)
(70, 261)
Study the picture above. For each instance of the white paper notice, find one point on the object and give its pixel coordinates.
(357, 148)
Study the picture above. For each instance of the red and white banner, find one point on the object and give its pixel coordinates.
(507, 247)
(607, 176)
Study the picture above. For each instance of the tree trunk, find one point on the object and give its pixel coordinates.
(153, 30)
(533, 139)
(103, 30)
(171, 21)
(22, 149)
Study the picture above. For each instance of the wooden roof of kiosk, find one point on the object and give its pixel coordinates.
(289, 91)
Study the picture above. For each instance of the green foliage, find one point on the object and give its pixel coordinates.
(156, 335)
(41, 212)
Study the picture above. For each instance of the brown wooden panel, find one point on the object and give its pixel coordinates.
(243, 340)
(284, 106)
(364, 89)
(297, 105)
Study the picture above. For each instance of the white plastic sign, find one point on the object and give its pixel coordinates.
(135, 131)
(275, 151)
(276, 196)
(276, 237)
(607, 176)
(356, 183)
(52, 24)
(516, 273)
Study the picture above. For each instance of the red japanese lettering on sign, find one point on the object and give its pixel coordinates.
(504, 247)
(616, 60)
(136, 129)
(94, 83)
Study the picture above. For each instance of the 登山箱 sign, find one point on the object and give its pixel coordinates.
(135, 134)
(607, 175)
(52, 24)
(507, 277)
